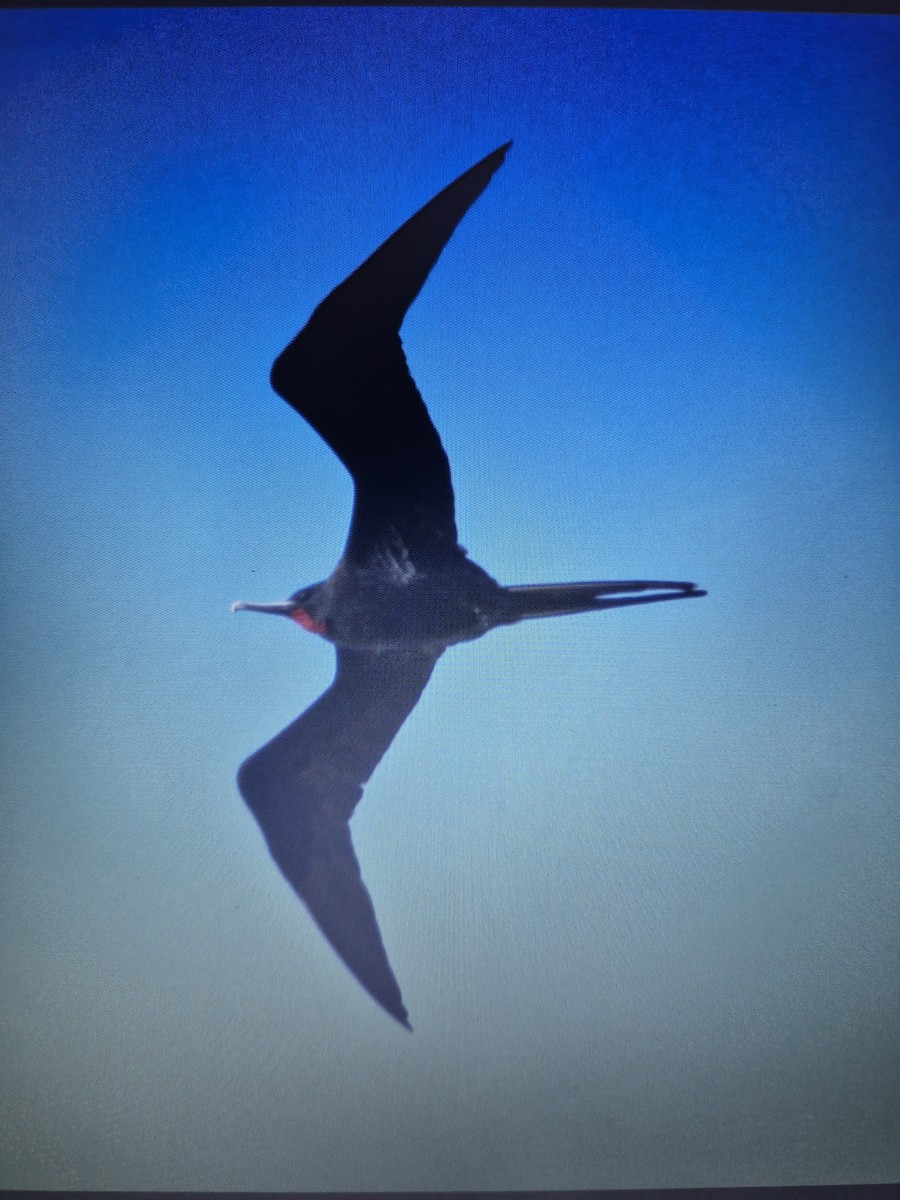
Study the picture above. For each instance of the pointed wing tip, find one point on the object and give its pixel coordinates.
(495, 159)
(392, 1004)
(386, 995)
(478, 176)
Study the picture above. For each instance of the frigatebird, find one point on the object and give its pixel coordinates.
(403, 591)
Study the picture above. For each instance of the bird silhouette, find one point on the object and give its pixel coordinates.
(403, 591)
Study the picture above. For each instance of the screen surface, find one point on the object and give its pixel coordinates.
(637, 870)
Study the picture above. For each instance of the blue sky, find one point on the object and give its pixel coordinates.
(636, 872)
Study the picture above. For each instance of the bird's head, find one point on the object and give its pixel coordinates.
(304, 608)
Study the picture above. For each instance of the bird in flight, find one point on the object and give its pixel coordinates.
(403, 591)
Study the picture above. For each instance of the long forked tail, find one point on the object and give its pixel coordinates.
(558, 599)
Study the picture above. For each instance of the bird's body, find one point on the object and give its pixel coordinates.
(403, 591)
(392, 603)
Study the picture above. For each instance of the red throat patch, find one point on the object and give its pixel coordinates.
(305, 621)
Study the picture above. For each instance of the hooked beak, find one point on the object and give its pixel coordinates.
(284, 607)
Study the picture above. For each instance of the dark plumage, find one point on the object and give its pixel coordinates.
(403, 591)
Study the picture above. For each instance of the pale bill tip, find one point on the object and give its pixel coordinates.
(286, 607)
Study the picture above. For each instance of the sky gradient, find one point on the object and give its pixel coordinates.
(636, 871)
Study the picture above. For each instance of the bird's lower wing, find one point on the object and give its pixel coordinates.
(303, 786)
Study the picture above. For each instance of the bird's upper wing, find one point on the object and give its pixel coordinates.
(346, 374)
(303, 786)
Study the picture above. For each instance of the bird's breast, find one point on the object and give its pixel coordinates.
(394, 603)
